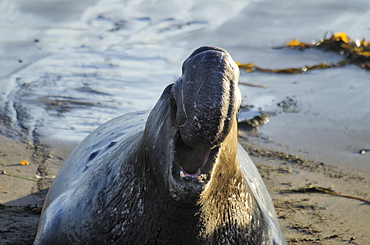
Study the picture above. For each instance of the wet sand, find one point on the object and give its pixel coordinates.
(304, 218)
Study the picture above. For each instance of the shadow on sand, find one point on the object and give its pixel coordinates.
(19, 219)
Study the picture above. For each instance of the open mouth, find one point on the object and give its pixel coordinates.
(193, 164)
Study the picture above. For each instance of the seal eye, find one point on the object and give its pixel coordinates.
(173, 105)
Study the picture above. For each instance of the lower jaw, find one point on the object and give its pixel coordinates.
(187, 192)
(202, 178)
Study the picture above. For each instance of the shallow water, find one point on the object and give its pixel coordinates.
(69, 71)
(69, 66)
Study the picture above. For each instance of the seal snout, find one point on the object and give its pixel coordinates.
(207, 97)
(205, 100)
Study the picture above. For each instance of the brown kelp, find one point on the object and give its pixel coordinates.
(355, 52)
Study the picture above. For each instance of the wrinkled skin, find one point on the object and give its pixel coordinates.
(207, 97)
(179, 178)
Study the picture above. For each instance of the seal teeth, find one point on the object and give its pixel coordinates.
(182, 175)
(202, 177)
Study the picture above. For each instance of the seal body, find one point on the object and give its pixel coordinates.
(174, 176)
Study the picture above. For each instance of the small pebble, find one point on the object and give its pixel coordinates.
(24, 162)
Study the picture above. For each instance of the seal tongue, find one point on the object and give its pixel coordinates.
(195, 175)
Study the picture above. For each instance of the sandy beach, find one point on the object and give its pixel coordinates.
(23, 187)
(305, 218)
(70, 66)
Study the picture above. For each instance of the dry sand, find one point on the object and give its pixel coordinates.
(21, 199)
(313, 218)
(304, 218)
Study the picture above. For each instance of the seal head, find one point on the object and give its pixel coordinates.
(202, 108)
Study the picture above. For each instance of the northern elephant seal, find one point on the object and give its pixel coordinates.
(177, 176)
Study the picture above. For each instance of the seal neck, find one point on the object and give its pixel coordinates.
(227, 207)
